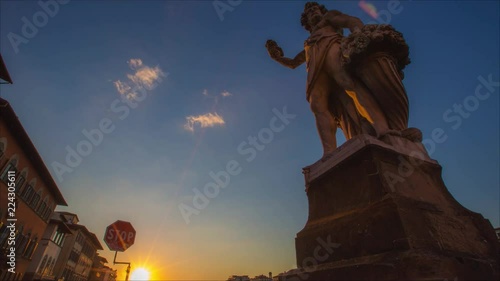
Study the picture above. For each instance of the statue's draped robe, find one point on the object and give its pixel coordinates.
(316, 48)
(379, 77)
(341, 105)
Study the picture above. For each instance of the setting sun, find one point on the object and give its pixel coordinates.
(140, 274)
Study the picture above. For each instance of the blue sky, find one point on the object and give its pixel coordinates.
(65, 82)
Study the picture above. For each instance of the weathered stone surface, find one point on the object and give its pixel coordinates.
(385, 214)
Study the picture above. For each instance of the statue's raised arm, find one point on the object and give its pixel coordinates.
(276, 53)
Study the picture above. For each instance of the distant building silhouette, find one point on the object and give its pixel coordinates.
(283, 276)
(262, 278)
(238, 278)
(246, 278)
(100, 271)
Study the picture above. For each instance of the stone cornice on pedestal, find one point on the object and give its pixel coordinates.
(399, 145)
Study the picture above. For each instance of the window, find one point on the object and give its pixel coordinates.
(79, 239)
(11, 166)
(21, 180)
(27, 193)
(47, 267)
(36, 198)
(23, 243)
(41, 209)
(74, 256)
(48, 211)
(51, 268)
(58, 237)
(19, 184)
(69, 273)
(19, 233)
(42, 265)
(54, 236)
(30, 249)
(3, 147)
(4, 233)
(60, 240)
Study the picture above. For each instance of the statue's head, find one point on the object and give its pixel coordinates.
(312, 15)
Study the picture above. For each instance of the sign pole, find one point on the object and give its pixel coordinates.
(119, 262)
(119, 236)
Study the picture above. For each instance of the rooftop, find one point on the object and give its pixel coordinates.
(17, 130)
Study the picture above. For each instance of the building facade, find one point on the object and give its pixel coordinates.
(101, 272)
(78, 252)
(25, 212)
(50, 247)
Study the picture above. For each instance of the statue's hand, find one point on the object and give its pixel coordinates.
(275, 52)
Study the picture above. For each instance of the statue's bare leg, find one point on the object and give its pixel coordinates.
(365, 104)
(325, 121)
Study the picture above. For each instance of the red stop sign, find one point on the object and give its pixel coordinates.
(119, 236)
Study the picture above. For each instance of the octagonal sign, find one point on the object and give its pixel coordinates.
(119, 236)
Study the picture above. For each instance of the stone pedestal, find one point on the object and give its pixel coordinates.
(382, 212)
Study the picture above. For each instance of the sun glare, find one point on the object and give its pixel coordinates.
(140, 274)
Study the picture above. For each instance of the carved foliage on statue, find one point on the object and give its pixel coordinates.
(377, 55)
(372, 39)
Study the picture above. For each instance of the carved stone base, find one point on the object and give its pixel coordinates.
(378, 212)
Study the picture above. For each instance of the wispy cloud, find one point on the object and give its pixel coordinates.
(121, 87)
(204, 121)
(223, 94)
(226, 94)
(209, 119)
(144, 77)
(135, 63)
